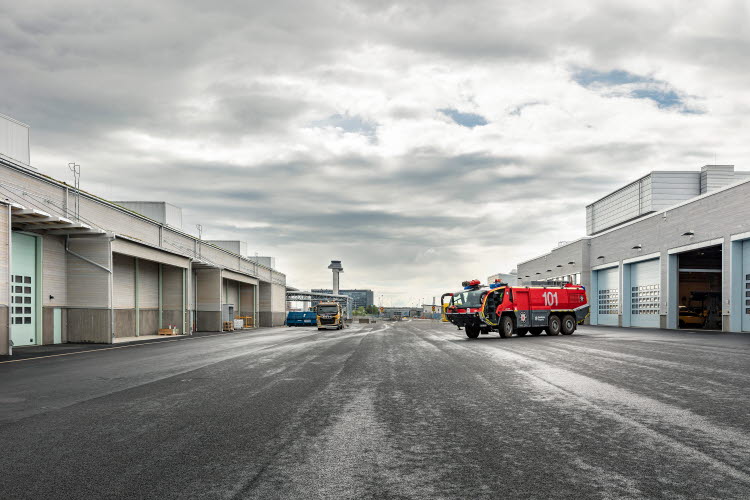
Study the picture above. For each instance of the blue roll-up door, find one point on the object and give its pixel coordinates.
(645, 279)
(608, 296)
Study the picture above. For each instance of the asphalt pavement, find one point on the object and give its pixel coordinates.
(409, 409)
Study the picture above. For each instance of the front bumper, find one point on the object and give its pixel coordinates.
(581, 313)
(465, 319)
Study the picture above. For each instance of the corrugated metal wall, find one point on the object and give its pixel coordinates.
(148, 284)
(54, 271)
(209, 289)
(247, 301)
(714, 177)
(172, 285)
(14, 139)
(671, 188)
(88, 285)
(231, 295)
(124, 281)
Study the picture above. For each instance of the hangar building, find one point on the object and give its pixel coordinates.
(77, 268)
(669, 250)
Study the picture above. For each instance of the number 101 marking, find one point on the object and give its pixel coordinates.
(550, 298)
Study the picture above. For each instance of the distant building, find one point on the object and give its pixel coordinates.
(405, 312)
(362, 298)
(510, 278)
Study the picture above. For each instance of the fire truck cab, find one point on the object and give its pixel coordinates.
(554, 309)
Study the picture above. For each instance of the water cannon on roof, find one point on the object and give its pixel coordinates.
(471, 285)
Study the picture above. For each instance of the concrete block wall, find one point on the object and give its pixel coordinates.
(272, 304)
(713, 218)
(576, 252)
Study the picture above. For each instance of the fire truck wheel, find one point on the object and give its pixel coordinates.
(536, 331)
(568, 325)
(522, 331)
(472, 331)
(554, 326)
(506, 327)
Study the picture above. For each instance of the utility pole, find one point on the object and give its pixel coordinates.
(200, 237)
(76, 169)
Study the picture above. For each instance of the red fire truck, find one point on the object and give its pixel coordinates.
(554, 309)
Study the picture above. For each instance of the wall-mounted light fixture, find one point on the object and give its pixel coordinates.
(638, 247)
(559, 265)
(572, 262)
(549, 270)
(600, 257)
(689, 233)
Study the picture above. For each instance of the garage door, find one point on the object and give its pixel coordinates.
(644, 293)
(746, 286)
(608, 296)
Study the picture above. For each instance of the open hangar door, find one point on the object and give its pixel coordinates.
(699, 289)
(608, 296)
(642, 283)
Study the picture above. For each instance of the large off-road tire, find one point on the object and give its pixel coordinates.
(554, 326)
(506, 327)
(522, 331)
(536, 331)
(472, 331)
(568, 324)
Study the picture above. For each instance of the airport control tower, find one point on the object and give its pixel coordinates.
(336, 268)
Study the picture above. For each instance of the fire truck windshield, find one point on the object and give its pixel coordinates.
(328, 309)
(472, 298)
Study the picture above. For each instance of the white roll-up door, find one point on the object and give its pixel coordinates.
(608, 296)
(645, 293)
(746, 286)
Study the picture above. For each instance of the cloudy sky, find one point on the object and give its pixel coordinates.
(418, 142)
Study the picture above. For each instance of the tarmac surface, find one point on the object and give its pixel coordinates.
(408, 409)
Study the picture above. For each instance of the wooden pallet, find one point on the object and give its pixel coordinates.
(228, 326)
(168, 331)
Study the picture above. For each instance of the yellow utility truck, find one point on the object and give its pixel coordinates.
(329, 316)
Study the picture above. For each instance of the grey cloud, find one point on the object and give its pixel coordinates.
(79, 72)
